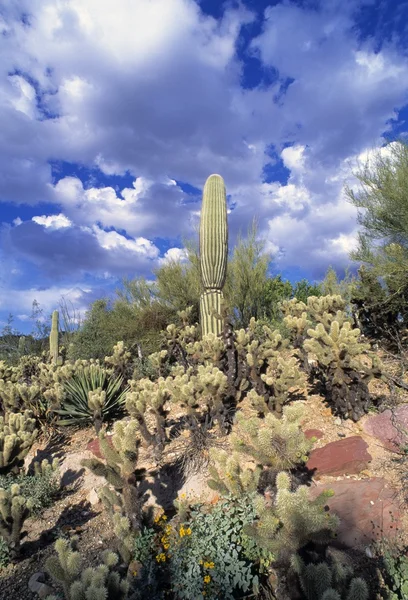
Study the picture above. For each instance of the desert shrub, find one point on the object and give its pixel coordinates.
(77, 408)
(201, 553)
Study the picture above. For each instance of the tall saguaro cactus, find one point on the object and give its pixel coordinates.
(213, 253)
(54, 338)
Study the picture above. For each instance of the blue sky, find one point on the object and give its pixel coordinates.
(113, 115)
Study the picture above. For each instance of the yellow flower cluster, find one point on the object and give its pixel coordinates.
(207, 579)
(208, 565)
(184, 531)
(161, 557)
(160, 517)
(165, 539)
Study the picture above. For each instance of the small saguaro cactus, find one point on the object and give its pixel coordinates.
(54, 350)
(213, 253)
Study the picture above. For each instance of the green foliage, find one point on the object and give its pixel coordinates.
(202, 551)
(383, 240)
(329, 581)
(78, 409)
(302, 290)
(246, 288)
(395, 573)
(99, 583)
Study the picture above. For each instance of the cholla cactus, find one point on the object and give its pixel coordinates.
(329, 582)
(119, 470)
(100, 583)
(9, 396)
(266, 365)
(121, 359)
(338, 352)
(203, 392)
(213, 253)
(272, 442)
(227, 476)
(14, 509)
(7, 373)
(54, 349)
(292, 520)
(45, 468)
(17, 435)
(96, 402)
(149, 398)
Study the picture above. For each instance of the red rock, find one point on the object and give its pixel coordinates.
(310, 433)
(368, 509)
(93, 446)
(391, 430)
(342, 457)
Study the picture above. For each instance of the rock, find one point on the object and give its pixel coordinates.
(44, 591)
(391, 430)
(35, 581)
(338, 421)
(310, 433)
(345, 456)
(93, 446)
(93, 497)
(368, 509)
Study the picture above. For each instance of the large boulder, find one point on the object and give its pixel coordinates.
(390, 427)
(343, 457)
(368, 509)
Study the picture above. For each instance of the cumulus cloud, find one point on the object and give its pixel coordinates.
(51, 221)
(157, 95)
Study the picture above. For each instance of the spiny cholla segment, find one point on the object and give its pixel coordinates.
(213, 252)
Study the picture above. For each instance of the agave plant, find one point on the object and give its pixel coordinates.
(92, 396)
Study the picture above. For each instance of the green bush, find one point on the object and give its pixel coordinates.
(206, 555)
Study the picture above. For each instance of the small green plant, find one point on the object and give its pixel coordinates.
(76, 408)
(395, 573)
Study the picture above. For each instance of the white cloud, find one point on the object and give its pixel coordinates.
(174, 255)
(112, 240)
(52, 221)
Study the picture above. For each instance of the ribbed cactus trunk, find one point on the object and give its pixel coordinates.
(54, 350)
(213, 253)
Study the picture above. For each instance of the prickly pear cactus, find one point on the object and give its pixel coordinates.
(213, 253)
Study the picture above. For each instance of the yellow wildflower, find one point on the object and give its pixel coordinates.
(161, 557)
(207, 579)
(188, 531)
(208, 565)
